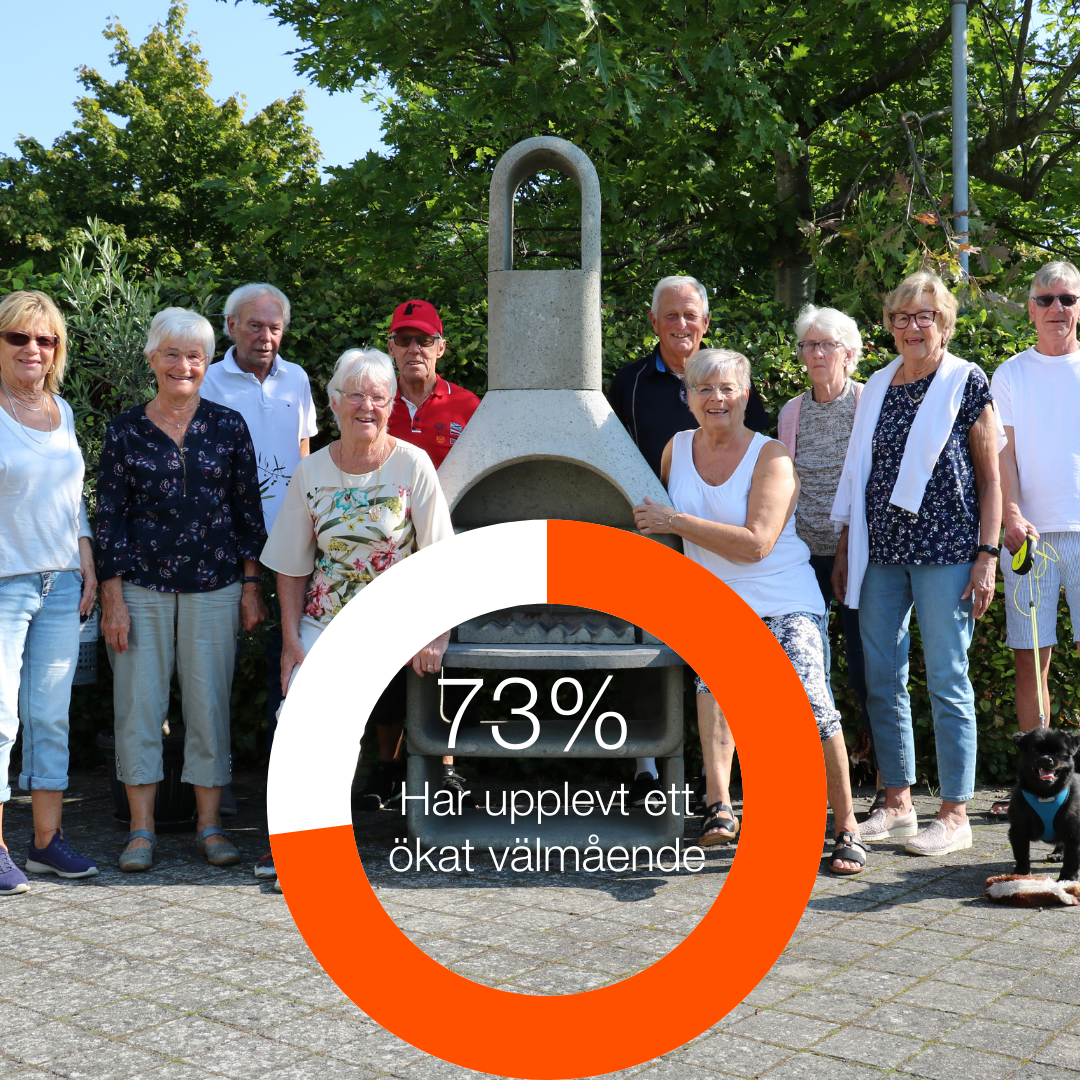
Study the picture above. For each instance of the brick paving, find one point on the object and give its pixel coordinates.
(190, 972)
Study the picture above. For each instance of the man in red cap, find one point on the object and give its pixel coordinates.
(429, 411)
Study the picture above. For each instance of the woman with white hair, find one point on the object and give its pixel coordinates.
(733, 493)
(353, 510)
(815, 427)
(920, 502)
(179, 524)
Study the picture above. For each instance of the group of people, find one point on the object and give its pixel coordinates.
(883, 497)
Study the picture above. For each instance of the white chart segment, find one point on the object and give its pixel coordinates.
(317, 741)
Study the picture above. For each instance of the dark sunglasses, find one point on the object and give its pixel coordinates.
(403, 341)
(43, 341)
(1047, 299)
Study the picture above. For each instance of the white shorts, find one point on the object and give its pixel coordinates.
(1045, 589)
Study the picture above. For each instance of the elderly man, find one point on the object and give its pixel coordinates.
(429, 412)
(649, 398)
(1038, 393)
(274, 398)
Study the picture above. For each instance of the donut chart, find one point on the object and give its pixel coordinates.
(315, 752)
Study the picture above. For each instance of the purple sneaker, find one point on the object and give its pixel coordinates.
(12, 879)
(59, 857)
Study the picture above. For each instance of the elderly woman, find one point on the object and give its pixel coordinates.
(734, 493)
(179, 524)
(920, 502)
(815, 428)
(353, 510)
(46, 576)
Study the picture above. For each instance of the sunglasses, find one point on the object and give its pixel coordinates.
(1047, 299)
(403, 341)
(43, 341)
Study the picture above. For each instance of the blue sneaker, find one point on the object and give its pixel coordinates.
(59, 857)
(12, 879)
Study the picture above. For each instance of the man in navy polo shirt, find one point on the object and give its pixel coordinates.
(648, 396)
(429, 411)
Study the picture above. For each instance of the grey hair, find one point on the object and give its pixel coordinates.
(247, 293)
(1053, 273)
(830, 321)
(351, 367)
(677, 283)
(179, 326)
(707, 364)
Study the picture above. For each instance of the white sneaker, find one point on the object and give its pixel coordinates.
(264, 868)
(936, 839)
(881, 825)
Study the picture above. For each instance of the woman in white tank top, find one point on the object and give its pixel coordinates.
(734, 494)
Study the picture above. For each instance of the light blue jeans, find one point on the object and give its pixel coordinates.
(39, 651)
(946, 624)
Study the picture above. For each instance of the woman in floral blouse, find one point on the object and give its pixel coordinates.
(920, 503)
(179, 523)
(353, 510)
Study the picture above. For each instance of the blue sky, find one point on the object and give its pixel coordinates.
(246, 49)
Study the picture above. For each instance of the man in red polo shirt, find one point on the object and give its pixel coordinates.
(429, 411)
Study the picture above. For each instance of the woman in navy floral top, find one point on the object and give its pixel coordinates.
(921, 503)
(179, 523)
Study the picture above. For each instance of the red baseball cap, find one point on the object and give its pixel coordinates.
(417, 315)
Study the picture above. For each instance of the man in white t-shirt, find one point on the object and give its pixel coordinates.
(274, 398)
(1038, 394)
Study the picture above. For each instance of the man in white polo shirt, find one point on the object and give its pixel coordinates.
(1038, 394)
(274, 398)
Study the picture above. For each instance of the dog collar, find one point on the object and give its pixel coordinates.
(1047, 810)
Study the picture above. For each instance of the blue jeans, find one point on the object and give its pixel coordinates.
(946, 624)
(39, 651)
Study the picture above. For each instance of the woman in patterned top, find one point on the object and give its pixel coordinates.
(179, 523)
(920, 503)
(353, 510)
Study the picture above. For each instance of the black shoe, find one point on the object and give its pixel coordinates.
(384, 788)
(455, 783)
(643, 784)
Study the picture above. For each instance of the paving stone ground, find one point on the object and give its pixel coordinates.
(191, 972)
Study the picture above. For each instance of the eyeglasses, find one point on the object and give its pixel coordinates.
(403, 341)
(19, 339)
(355, 397)
(1043, 300)
(173, 356)
(901, 320)
(825, 346)
(707, 391)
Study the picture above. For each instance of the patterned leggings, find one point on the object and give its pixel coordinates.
(799, 635)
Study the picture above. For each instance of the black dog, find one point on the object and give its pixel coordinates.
(1045, 805)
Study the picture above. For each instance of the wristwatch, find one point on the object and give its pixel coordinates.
(990, 550)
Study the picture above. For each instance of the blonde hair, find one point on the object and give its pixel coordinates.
(708, 364)
(27, 308)
(910, 290)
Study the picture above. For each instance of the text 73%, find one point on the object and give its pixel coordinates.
(525, 713)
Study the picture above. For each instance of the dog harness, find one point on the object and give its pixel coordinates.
(1047, 809)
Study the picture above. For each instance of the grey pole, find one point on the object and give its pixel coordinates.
(960, 125)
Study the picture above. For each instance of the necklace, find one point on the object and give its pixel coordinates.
(179, 427)
(48, 436)
(374, 511)
(914, 400)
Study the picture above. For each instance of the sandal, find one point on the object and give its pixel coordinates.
(1000, 808)
(848, 848)
(713, 830)
(141, 858)
(223, 853)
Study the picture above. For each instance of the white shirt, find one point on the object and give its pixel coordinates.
(1039, 397)
(41, 497)
(278, 411)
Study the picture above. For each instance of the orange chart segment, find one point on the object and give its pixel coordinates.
(639, 1018)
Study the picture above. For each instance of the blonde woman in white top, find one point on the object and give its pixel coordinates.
(734, 493)
(46, 576)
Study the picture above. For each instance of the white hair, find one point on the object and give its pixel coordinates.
(1055, 273)
(828, 320)
(708, 364)
(179, 326)
(351, 367)
(677, 284)
(247, 293)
